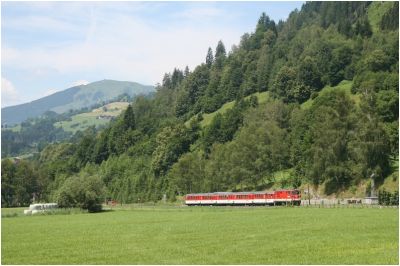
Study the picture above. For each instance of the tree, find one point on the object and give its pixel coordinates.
(19, 183)
(222, 127)
(341, 57)
(259, 150)
(373, 147)
(377, 60)
(172, 142)
(81, 191)
(7, 183)
(129, 118)
(220, 50)
(187, 175)
(84, 151)
(390, 20)
(323, 139)
(264, 66)
(309, 75)
(220, 55)
(209, 57)
(186, 72)
(285, 81)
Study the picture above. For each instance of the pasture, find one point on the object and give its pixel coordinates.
(262, 97)
(205, 235)
(85, 120)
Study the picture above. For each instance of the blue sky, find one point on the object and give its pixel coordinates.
(51, 46)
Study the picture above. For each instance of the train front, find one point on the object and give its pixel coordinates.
(296, 197)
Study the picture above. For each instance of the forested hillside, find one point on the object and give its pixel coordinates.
(32, 135)
(329, 118)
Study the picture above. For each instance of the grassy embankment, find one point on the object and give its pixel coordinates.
(205, 235)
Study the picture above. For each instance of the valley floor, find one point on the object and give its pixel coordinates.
(204, 235)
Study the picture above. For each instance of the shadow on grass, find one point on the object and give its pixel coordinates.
(101, 211)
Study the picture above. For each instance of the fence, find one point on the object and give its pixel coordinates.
(346, 203)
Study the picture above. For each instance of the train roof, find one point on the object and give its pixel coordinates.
(230, 193)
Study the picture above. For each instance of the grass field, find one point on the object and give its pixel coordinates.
(205, 235)
(14, 128)
(85, 120)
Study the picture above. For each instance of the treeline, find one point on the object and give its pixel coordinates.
(159, 146)
(36, 133)
(387, 198)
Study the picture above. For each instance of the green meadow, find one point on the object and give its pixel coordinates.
(85, 120)
(204, 235)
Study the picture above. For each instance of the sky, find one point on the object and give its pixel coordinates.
(51, 46)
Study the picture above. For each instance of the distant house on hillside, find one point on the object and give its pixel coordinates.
(105, 117)
(16, 160)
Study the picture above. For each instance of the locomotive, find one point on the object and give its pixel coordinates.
(278, 197)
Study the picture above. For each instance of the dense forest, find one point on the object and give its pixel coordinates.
(308, 124)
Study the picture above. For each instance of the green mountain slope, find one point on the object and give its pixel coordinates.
(73, 98)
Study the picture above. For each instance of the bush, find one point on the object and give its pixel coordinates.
(85, 192)
(387, 198)
(314, 95)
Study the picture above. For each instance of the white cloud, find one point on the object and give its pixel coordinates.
(126, 48)
(9, 94)
(112, 42)
(79, 82)
(40, 23)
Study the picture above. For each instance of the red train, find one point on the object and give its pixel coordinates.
(278, 197)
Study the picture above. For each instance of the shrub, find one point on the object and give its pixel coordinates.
(86, 192)
(387, 198)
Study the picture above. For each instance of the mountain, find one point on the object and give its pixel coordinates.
(73, 98)
(309, 103)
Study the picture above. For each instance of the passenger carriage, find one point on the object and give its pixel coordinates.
(279, 197)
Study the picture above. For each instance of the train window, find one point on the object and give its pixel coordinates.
(295, 192)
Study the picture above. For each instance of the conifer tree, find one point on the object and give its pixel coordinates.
(129, 118)
(220, 50)
(209, 57)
